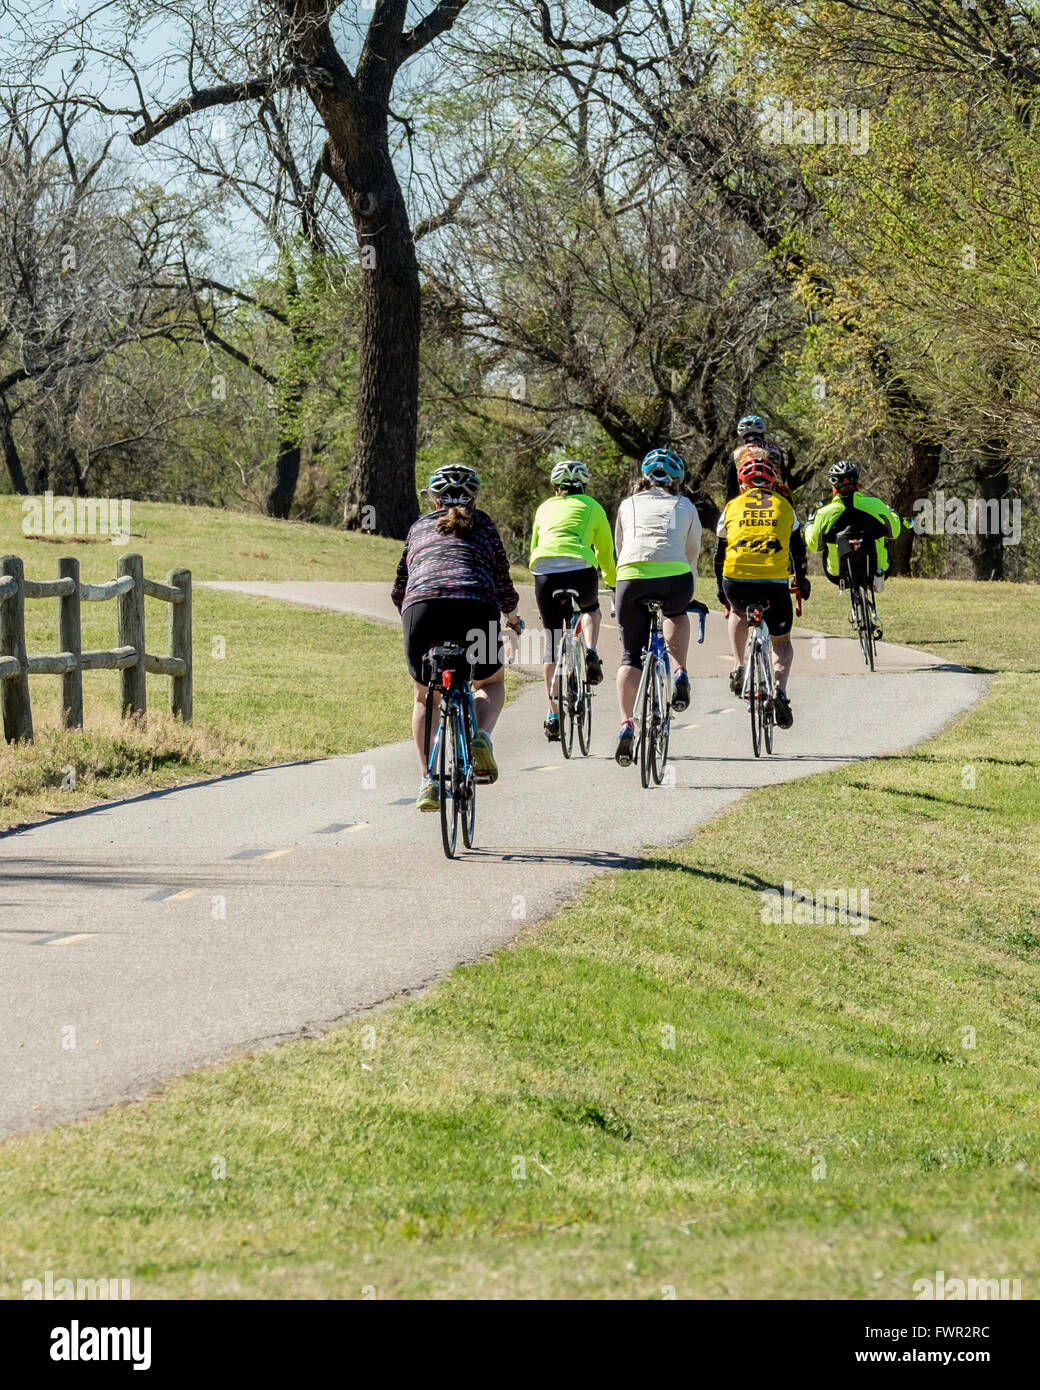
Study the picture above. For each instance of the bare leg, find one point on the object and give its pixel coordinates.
(737, 635)
(489, 696)
(677, 638)
(419, 720)
(627, 690)
(783, 658)
(547, 671)
(552, 645)
(590, 627)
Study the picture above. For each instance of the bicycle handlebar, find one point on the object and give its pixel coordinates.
(701, 609)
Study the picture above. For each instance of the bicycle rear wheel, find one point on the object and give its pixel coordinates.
(659, 742)
(450, 771)
(584, 708)
(863, 624)
(754, 697)
(647, 732)
(567, 699)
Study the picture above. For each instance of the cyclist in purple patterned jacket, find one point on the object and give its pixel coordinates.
(453, 585)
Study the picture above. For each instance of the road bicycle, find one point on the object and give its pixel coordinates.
(856, 566)
(760, 675)
(570, 683)
(449, 763)
(653, 712)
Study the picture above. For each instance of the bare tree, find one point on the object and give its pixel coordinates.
(83, 258)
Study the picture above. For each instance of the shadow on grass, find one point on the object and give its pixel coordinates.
(924, 796)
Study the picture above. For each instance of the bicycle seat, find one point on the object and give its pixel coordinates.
(566, 593)
(652, 603)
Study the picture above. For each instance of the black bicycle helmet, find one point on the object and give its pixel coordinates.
(843, 475)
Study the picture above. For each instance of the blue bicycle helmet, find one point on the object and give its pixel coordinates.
(751, 426)
(663, 466)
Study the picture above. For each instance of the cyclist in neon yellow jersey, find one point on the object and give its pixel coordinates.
(658, 539)
(859, 512)
(571, 539)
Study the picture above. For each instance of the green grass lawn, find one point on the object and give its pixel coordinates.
(252, 704)
(656, 1091)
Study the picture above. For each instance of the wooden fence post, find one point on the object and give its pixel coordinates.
(131, 634)
(17, 710)
(70, 640)
(180, 643)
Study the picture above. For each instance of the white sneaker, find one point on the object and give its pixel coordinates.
(879, 583)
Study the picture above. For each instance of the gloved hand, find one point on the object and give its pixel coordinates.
(804, 586)
(720, 594)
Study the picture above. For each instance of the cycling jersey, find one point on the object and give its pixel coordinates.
(447, 566)
(756, 532)
(658, 534)
(573, 527)
(863, 515)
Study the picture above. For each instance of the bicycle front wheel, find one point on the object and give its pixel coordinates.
(450, 772)
(468, 790)
(768, 717)
(659, 742)
(584, 713)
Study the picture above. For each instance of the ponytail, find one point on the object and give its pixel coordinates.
(457, 521)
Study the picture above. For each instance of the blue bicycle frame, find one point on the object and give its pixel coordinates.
(460, 707)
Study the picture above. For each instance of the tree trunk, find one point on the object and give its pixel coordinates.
(915, 483)
(992, 482)
(380, 494)
(286, 475)
(11, 456)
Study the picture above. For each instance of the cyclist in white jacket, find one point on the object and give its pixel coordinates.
(657, 538)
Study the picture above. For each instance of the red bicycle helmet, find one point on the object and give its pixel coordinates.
(757, 471)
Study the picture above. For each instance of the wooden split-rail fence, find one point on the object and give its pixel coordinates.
(130, 658)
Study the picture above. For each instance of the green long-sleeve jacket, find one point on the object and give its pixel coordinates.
(865, 514)
(575, 526)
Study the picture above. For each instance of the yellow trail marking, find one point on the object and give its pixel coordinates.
(353, 829)
(274, 853)
(68, 940)
(184, 893)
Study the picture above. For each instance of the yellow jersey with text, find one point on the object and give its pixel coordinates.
(757, 528)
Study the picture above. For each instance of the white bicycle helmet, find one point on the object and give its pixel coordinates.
(569, 471)
(454, 485)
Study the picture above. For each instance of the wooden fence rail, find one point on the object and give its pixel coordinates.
(129, 658)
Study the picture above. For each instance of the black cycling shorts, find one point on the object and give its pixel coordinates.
(780, 613)
(554, 610)
(674, 592)
(437, 621)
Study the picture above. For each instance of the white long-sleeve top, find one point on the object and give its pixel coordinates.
(656, 527)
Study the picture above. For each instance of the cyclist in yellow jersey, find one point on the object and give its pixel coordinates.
(759, 538)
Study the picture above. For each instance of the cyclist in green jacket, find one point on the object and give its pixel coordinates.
(856, 511)
(570, 541)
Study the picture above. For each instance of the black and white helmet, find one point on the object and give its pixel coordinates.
(843, 475)
(569, 472)
(454, 485)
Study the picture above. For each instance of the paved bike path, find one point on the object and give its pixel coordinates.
(143, 938)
